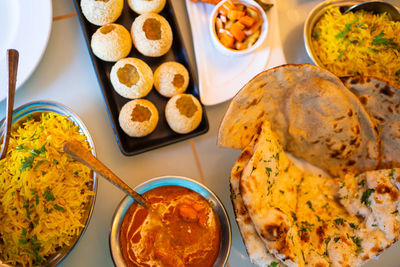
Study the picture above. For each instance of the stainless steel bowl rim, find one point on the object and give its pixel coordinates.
(207, 193)
(314, 15)
(52, 106)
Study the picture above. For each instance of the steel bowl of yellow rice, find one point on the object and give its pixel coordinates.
(355, 43)
(46, 197)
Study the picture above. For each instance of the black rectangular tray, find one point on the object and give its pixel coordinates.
(163, 135)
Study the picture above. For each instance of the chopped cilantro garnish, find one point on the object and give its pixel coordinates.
(59, 208)
(22, 147)
(287, 168)
(305, 226)
(346, 30)
(47, 210)
(336, 239)
(48, 195)
(26, 206)
(340, 55)
(379, 39)
(391, 174)
(326, 244)
(366, 195)
(310, 205)
(352, 225)
(339, 221)
(356, 240)
(35, 249)
(268, 171)
(317, 34)
(274, 264)
(294, 216)
(326, 206)
(27, 163)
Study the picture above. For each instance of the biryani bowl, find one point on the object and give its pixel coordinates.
(364, 42)
(35, 109)
(313, 17)
(206, 193)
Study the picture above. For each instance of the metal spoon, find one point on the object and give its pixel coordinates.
(376, 7)
(13, 57)
(81, 154)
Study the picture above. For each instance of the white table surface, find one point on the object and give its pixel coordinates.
(66, 75)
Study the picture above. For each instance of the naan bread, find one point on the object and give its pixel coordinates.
(255, 248)
(382, 102)
(308, 220)
(312, 112)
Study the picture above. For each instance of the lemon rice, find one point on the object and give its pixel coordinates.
(44, 193)
(358, 43)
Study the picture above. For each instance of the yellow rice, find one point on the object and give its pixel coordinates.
(358, 43)
(43, 191)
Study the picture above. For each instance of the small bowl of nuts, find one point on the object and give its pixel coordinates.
(238, 27)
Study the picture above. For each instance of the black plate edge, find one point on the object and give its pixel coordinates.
(114, 123)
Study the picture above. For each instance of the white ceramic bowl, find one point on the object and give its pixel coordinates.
(228, 51)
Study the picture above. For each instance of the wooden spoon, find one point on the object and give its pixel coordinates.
(13, 57)
(81, 154)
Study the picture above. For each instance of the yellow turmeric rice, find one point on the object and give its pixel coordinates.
(44, 193)
(358, 43)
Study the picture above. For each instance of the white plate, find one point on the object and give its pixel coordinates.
(221, 76)
(25, 26)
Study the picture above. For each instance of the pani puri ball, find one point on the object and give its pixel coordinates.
(102, 12)
(131, 78)
(138, 118)
(111, 42)
(183, 113)
(146, 6)
(151, 34)
(171, 78)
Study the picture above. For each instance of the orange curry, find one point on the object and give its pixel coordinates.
(188, 233)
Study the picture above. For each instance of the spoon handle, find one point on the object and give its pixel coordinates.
(13, 57)
(81, 154)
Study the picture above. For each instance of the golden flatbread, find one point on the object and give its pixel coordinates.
(382, 102)
(313, 114)
(308, 220)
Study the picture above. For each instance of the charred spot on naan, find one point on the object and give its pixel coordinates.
(387, 91)
(385, 189)
(381, 99)
(275, 232)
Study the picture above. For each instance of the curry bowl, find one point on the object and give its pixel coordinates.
(33, 111)
(161, 183)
